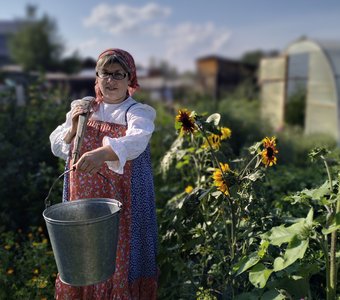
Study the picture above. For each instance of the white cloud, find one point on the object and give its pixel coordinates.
(121, 18)
(80, 47)
(179, 43)
(191, 40)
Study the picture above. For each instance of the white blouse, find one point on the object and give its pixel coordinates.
(140, 125)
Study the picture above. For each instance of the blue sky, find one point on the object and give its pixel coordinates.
(180, 31)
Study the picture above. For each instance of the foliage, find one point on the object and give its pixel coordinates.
(27, 266)
(207, 228)
(36, 45)
(71, 64)
(280, 248)
(243, 115)
(254, 57)
(295, 108)
(28, 166)
(222, 237)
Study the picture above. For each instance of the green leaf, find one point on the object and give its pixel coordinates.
(259, 275)
(254, 176)
(309, 218)
(296, 249)
(245, 263)
(335, 225)
(253, 149)
(281, 234)
(263, 248)
(318, 193)
(273, 295)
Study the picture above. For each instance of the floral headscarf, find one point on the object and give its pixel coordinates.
(127, 62)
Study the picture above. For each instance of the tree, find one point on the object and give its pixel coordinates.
(36, 46)
(71, 64)
(254, 57)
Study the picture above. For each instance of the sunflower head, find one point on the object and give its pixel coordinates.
(219, 178)
(269, 151)
(225, 133)
(213, 141)
(189, 189)
(185, 122)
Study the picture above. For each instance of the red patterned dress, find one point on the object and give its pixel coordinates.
(136, 272)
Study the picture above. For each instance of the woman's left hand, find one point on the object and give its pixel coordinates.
(92, 161)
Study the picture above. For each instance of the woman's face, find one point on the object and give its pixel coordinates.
(114, 90)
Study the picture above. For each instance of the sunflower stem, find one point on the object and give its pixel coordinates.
(233, 219)
(331, 266)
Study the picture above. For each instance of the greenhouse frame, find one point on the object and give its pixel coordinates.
(310, 65)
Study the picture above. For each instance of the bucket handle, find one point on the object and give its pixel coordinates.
(48, 202)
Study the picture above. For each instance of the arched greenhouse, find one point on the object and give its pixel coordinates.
(303, 85)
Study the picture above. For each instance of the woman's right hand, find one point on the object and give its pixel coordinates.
(76, 110)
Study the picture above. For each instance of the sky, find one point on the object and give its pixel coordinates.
(180, 31)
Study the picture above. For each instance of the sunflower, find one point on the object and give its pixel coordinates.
(187, 122)
(219, 180)
(225, 133)
(214, 140)
(189, 189)
(269, 151)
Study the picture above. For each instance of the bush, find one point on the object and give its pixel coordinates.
(27, 268)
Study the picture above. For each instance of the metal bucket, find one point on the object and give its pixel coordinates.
(84, 237)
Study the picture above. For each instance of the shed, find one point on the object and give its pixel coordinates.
(217, 75)
(313, 65)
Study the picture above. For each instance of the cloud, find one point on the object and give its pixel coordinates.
(196, 39)
(157, 35)
(81, 46)
(121, 18)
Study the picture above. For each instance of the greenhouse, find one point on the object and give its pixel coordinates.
(312, 68)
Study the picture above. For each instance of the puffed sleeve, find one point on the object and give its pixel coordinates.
(140, 121)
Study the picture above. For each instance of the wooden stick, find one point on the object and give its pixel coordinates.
(81, 128)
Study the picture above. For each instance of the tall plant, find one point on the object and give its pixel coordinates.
(313, 239)
(212, 222)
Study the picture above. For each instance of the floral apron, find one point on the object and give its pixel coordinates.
(135, 276)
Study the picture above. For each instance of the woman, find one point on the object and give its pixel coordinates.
(115, 145)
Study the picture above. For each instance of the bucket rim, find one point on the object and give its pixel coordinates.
(82, 222)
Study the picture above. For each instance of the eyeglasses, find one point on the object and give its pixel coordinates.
(115, 75)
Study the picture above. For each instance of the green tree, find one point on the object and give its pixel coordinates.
(71, 64)
(253, 57)
(36, 46)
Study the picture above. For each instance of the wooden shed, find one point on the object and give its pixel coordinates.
(218, 75)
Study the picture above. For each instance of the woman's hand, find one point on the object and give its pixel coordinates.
(92, 161)
(77, 110)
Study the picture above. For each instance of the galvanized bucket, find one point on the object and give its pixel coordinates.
(84, 237)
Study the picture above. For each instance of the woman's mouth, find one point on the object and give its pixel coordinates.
(111, 88)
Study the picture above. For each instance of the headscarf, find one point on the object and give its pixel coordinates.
(127, 62)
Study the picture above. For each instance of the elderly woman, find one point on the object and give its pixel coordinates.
(116, 146)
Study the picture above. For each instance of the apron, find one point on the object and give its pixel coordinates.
(135, 276)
